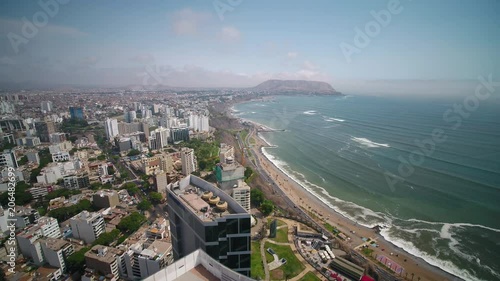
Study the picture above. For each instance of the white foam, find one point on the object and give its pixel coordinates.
(369, 143)
(331, 119)
(310, 112)
(363, 215)
(409, 247)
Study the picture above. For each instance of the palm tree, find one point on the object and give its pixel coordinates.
(412, 275)
(418, 278)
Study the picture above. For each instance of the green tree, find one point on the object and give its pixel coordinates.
(107, 238)
(101, 157)
(22, 195)
(155, 197)
(248, 173)
(133, 152)
(267, 207)
(76, 261)
(23, 160)
(144, 205)
(131, 223)
(256, 197)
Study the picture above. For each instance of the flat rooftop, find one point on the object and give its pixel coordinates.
(198, 273)
(192, 196)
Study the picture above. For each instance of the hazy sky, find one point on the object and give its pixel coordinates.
(192, 43)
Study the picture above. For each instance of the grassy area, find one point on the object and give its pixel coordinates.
(331, 228)
(257, 271)
(367, 251)
(269, 257)
(270, 220)
(310, 276)
(292, 267)
(281, 235)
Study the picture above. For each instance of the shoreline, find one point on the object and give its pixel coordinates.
(304, 198)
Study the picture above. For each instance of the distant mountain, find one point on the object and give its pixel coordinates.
(296, 87)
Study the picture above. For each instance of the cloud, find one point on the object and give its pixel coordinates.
(292, 55)
(229, 34)
(15, 26)
(187, 21)
(307, 65)
(143, 58)
(7, 61)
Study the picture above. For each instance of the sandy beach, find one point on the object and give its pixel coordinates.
(411, 264)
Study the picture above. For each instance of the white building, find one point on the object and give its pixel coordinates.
(198, 123)
(46, 106)
(56, 251)
(87, 226)
(8, 158)
(159, 138)
(144, 259)
(60, 156)
(106, 260)
(188, 161)
(6, 107)
(27, 239)
(111, 126)
(241, 194)
(33, 157)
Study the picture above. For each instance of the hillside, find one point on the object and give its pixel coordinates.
(296, 86)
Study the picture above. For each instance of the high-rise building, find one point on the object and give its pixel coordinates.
(203, 216)
(106, 260)
(111, 127)
(6, 107)
(76, 113)
(130, 116)
(158, 138)
(25, 216)
(179, 134)
(198, 123)
(188, 161)
(57, 137)
(44, 129)
(87, 226)
(8, 159)
(228, 174)
(46, 106)
(241, 194)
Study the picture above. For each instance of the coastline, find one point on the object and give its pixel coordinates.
(310, 202)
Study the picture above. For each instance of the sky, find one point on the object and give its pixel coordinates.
(240, 43)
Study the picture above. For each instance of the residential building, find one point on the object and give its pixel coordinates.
(28, 240)
(111, 128)
(159, 162)
(179, 134)
(105, 199)
(46, 106)
(158, 138)
(25, 216)
(77, 181)
(188, 161)
(203, 216)
(8, 159)
(145, 258)
(61, 156)
(56, 252)
(226, 153)
(227, 175)
(44, 129)
(87, 226)
(106, 260)
(33, 157)
(57, 137)
(241, 194)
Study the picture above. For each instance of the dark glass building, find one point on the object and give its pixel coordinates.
(203, 217)
(76, 113)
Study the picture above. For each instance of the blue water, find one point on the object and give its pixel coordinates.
(360, 155)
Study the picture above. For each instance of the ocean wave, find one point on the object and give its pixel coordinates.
(358, 214)
(409, 247)
(369, 143)
(310, 112)
(331, 119)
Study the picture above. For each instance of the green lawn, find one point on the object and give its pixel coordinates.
(280, 222)
(292, 267)
(310, 276)
(281, 235)
(257, 271)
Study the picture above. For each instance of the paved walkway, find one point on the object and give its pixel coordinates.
(264, 261)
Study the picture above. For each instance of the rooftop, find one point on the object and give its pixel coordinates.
(103, 253)
(55, 244)
(201, 198)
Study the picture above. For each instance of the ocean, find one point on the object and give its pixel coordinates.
(427, 171)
